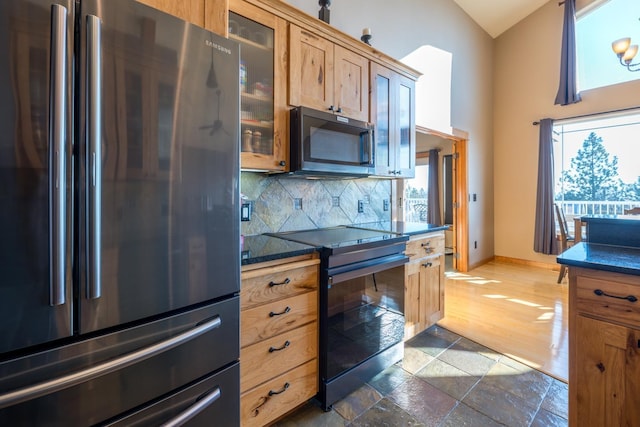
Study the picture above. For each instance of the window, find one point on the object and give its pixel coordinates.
(597, 164)
(415, 195)
(596, 28)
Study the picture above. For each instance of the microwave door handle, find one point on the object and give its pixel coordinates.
(94, 155)
(370, 147)
(57, 155)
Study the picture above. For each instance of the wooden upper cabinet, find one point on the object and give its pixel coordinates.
(216, 16)
(209, 14)
(392, 111)
(351, 83)
(188, 10)
(264, 124)
(325, 76)
(310, 70)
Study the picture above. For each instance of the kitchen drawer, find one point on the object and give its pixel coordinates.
(425, 247)
(265, 403)
(266, 321)
(266, 359)
(265, 285)
(607, 299)
(221, 389)
(160, 368)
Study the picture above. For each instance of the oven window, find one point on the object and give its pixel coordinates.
(365, 317)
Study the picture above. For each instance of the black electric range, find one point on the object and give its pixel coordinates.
(361, 292)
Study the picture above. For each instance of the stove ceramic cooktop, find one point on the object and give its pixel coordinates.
(338, 237)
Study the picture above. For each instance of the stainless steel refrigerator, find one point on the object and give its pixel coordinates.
(119, 228)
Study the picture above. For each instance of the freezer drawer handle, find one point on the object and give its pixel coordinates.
(201, 404)
(61, 383)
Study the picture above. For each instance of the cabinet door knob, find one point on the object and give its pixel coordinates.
(282, 163)
(427, 264)
(330, 108)
(339, 110)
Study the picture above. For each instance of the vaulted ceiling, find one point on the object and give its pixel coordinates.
(497, 16)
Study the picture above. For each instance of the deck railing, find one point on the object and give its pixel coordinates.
(579, 208)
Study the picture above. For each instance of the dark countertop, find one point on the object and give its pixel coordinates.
(611, 218)
(263, 248)
(407, 228)
(619, 259)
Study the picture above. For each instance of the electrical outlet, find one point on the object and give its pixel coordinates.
(385, 205)
(475, 244)
(245, 211)
(360, 206)
(475, 198)
(297, 204)
(335, 201)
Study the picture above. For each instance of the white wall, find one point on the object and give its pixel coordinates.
(527, 64)
(398, 29)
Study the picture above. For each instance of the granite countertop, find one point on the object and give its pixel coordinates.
(262, 248)
(401, 227)
(619, 259)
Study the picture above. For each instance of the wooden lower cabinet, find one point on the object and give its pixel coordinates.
(279, 339)
(424, 282)
(262, 404)
(604, 349)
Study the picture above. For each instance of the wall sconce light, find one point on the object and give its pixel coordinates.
(324, 13)
(626, 52)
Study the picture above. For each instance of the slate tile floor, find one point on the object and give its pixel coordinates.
(449, 381)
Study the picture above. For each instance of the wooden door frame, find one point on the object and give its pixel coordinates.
(459, 138)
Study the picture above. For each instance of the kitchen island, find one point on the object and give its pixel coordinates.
(604, 324)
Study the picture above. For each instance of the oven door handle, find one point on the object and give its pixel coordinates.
(385, 264)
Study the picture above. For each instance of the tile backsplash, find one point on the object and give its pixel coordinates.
(288, 204)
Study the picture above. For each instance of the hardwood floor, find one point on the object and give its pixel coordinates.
(516, 310)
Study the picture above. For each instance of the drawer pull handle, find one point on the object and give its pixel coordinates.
(284, 282)
(286, 344)
(286, 310)
(265, 399)
(601, 293)
(427, 264)
(286, 386)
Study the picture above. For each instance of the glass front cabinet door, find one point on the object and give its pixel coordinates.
(263, 111)
(392, 109)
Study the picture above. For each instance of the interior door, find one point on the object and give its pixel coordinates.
(160, 173)
(35, 153)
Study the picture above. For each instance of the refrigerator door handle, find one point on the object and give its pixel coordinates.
(202, 403)
(57, 155)
(94, 154)
(70, 380)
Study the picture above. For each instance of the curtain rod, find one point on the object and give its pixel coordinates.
(591, 114)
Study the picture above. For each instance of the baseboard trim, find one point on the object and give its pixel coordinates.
(529, 263)
(481, 262)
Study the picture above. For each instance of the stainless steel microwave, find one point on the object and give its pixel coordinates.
(325, 144)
